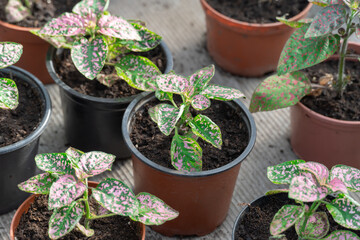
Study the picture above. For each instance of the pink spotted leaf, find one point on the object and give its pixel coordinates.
(74, 154)
(294, 24)
(300, 52)
(15, 11)
(10, 53)
(67, 24)
(336, 185)
(64, 191)
(9, 94)
(57, 42)
(168, 115)
(305, 189)
(172, 83)
(277, 92)
(54, 163)
(96, 6)
(205, 128)
(348, 175)
(283, 173)
(83, 230)
(154, 113)
(316, 227)
(345, 212)
(116, 197)
(95, 163)
(63, 220)
(342, 235)
(285, 218)
(117, 27)
(39, 184)
(153, 211)
(89, 56)
(108, 79)
(163, 96)
(320, 171)
(200, 102)
(222, 93)
(199, 80)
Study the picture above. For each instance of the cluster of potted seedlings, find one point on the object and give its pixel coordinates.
(186, 137)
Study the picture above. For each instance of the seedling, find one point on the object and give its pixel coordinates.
(17, 10)
(314, 41)
(66, 182)
(310, 185)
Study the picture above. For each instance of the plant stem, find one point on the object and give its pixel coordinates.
(102, 216)
(312, 209)
(87, 207)
(109, 64)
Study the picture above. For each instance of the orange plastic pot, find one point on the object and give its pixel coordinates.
(24, 207)
(34, 51)
(246, 49)
(201, 198)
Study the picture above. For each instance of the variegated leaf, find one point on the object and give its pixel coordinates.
(67, 24)
(354, 4)
(9, 94)
(321, 3)
(57, 42)
(345, 212)
(319, 170)
(15, 11)
(117, 27)
(94, 163)
(294, 24)
(205, 128)
(305, 189)
(285, 218)
(96, 6)
(316, 227)
(186, 154)
(10, 53)
(74, 153)
(154, 113)
(89, 56)
(108, 79)
(163, 96)
(348, 175)
(276, 191)
(153, 211)
(64, 191)
(357, 31)
(168, 115)
(200, 102)
(116, 197)
(283, 173)
(300, 52)
(39, 184)
(83, 230)
(199, 80)
(222, 93)
(172, 83)
(63, 220)
(342, 235)
(54, 163)
(336, 185)
(277, 92)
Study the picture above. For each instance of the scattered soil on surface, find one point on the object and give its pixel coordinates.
(329, 103)
(17, 124)
(258, 11)
(42, 11)
(234, 132)
(34, 225)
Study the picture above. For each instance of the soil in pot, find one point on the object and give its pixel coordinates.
(258, 11)
(256, 223)
(326, 102)
(34, 225)
(233, 129)
(17, 124)
(42, 11)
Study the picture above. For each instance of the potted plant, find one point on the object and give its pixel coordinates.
(242, 45)
(313, 189)
(25, 111)
(66, 182)
(17, 20)
(317, 135)
(100, 46)
(168, 141)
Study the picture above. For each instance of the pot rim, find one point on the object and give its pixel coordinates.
(133, 106)
(36, 83)
(50, 67)
(16, 27)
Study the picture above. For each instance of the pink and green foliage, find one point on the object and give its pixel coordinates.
(310, 185)
(341, 235)
(96, 6)
(195, 92)
(66, 182)
(16, 11)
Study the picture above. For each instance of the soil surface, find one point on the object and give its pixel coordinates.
(329, 103)
(34, 225)
(17, 124)
(42, 11)
(258, 11)
(234, 132)
(256, 223)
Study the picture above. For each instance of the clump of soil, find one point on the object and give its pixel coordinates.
(258, 11)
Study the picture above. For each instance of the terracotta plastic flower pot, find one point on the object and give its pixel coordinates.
(242, 48)
(201, 198)
(27, 203)
(17, 160)
(93, 123)
(34, 51)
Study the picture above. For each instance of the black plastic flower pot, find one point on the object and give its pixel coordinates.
(17, 160)
(93, 123)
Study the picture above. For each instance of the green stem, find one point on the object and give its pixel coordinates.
(109, 64)
(87, 206)
(312, 209)
(102, 216)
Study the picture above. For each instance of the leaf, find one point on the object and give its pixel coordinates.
(320, 171)
(139, 72)
(10, 53)
(277, 92)
(54, 163)
(354, 4)
(321, 3)
(186, 154)
(153, 113)
(163, 96)
(285, 218)
(39, 184)
(345, 212)
(89, 56)
(56, 41)
(95, 162)
(15, 11)
(316, 227)
(222, 93)
(117, 27)
(300, 52)
(283, 173)
(153, 211)
(276, 191)
(357, 31)
(294, 24)
(9, 94)
(96, 6)
(305, 189)
(116, 197)
(348, 175)
(168, 115)
(341, 235)
(74, 154)
(64, 191)
(337, 185)
(199, 80)
(205, 128)
(200, 102)
(63, 220)
(108, 79)
(83, 230)
(172, 83)
(326, 21)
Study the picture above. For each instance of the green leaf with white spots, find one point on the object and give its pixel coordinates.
(286, 217)
(316, 227)
(10, 53)
(54, 163)
(39, 184)
(172, 83)
(9, 94)
(222, 93)
(284, 172)
(341, 235)
(345, 212)
(96, 6)
(205, 128)
(200, 102)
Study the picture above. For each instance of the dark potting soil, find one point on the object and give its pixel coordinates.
(34, 225)
(68, 73)
(328, 103)
(153, 144)
(17, 124)
(256, 223)
(42, 11)
(258, 11)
